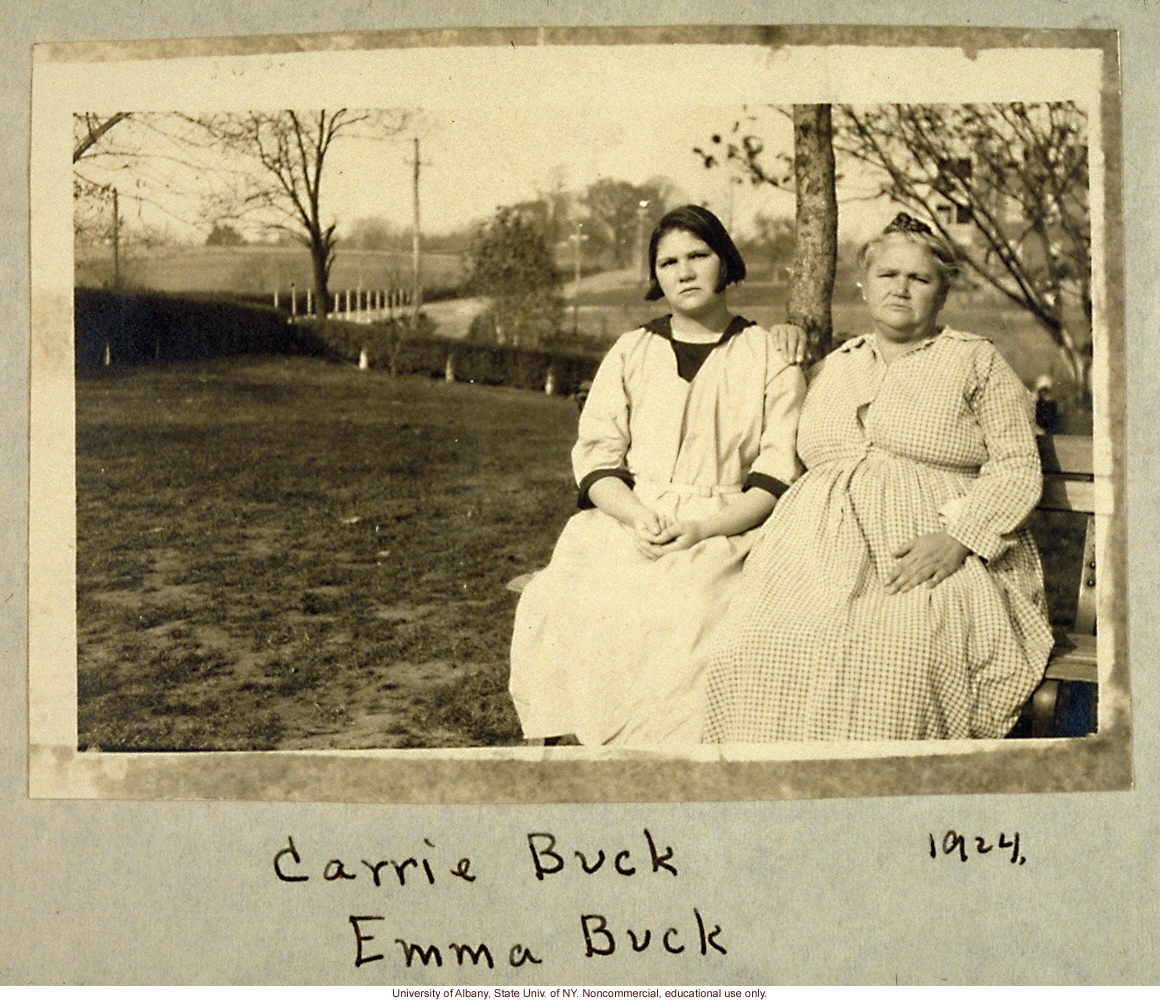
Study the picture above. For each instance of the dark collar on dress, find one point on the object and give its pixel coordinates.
(662, 326)
(691, 356)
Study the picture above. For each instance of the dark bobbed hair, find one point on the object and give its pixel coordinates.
(705, 226)
(946, 258)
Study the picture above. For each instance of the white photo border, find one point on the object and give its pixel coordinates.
(555, 774)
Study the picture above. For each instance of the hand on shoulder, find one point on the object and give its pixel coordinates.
(791, 342)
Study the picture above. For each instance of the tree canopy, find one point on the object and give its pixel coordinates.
(224, 235)
(277, 179)
(512, 265)
(620, 212)
(1007, 184)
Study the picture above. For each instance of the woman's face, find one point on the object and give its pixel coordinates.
(688, 272)
(904, 290)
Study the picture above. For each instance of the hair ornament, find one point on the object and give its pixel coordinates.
(904, 223)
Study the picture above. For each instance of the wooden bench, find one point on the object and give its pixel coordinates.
(1068, 485)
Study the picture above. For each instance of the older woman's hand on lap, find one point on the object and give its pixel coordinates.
(928, 559)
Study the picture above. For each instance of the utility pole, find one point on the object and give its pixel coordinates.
(116, 243)
(416, 287)
(733, 182)
(641, 254)
(578, 237)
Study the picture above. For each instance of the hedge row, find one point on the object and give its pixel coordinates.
(139, 328)
(424, 354)
(143, 328)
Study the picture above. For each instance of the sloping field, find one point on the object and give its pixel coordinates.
(258, 270)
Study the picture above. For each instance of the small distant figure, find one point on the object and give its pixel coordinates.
(1046, 407)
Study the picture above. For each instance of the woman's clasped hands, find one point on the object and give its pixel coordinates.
(656, 535)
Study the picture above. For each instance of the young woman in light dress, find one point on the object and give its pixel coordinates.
(685, 442)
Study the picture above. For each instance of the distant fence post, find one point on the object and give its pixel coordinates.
(309, 302)
(293, 299)
(275, 298)
(449, 371)
(550, 382)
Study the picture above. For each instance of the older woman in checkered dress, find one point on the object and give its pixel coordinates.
(894, 593)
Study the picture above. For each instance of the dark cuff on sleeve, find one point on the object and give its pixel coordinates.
(764, 482)
(586, 484)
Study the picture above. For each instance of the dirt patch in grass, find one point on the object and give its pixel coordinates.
(288, 554)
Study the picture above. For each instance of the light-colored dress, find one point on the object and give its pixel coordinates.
(607, 643)
(814, 648)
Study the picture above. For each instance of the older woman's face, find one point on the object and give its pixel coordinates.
(904, 290)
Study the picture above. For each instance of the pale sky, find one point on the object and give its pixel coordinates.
(501, 122)
(498, 126)
(473, 163)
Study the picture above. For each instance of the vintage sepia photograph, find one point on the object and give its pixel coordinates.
(565, 415)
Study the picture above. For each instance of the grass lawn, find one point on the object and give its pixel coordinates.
(292, 554)
(285, 553)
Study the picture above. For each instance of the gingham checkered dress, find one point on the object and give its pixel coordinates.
(813, 647)
(611, 645)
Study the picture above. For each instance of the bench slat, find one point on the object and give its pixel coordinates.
(1068, 453)
(1073, 659)
(1068, 494)
(1067, 464)
(1085, 604)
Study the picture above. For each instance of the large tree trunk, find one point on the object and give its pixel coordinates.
(816, 250)
(320, 260)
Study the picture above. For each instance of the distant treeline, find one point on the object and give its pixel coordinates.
(129, 329)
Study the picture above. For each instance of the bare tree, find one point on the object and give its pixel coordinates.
(816, 248)
(1008, 184)
(98, 221)
(89, 128)
(278, 171)
(143, 159)
(809, 172)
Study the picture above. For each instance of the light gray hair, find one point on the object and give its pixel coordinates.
(946, 259)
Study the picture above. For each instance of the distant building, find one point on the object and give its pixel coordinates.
(1034, 243)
